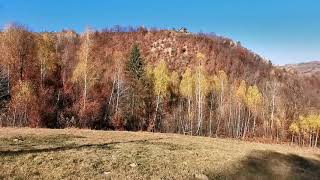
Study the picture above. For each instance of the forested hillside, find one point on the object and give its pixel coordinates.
(308, 68)
(154, 80)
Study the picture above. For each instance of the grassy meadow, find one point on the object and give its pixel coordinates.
(27, 153)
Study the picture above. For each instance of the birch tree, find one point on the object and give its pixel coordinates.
(176, 101)
(220, 86)
(241, 98)
(202, 89)
(294, 130)
(85, 69)
(46, 54)
(187, 89)
(161, 82)
(18, 46)
(23, 105)
(254, 100)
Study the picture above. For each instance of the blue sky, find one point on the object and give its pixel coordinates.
(284, 31)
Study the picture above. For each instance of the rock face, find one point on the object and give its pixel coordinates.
(307, 68)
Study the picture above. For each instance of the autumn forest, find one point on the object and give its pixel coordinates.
(138, 79)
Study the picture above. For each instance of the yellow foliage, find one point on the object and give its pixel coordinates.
(198, 81)
(161, 78)
(241, 91)
(200, 57)
(253, 97)
(22, 94)
(149, 72)
(220, 81)
(46, 51)
(201, 80)
(174, 81)
(85, 70)
(294, 128)
(308, 124)
(304, 124)
(187, 84)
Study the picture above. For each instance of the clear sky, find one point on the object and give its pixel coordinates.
(284, 31)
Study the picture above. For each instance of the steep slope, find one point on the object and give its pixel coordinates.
(180, 49)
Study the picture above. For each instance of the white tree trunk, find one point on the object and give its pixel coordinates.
(157, 107)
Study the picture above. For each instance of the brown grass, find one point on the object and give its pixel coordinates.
(27, 153)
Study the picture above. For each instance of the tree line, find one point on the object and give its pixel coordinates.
(60, 80)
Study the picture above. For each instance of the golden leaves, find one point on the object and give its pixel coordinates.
(187, 84)
(174, 82)
(241, 91)
(201, 80)
(220, 81)
(253, 97)
(161, 78)
(46, 51)
(22, 93)
(306, 124)
(294, 128)
(85, 70)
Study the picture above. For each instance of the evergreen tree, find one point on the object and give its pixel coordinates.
(135, 66)
(137, 113)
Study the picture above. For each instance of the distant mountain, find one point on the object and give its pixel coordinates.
(307, 68)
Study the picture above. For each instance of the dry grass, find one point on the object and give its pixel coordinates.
(27, 153)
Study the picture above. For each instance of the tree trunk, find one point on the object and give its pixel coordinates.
(118, 92)
(85, 91)
(189, 115)
(310, 140)
(8, 80)
(155, 115)
(238, 123)
(272, 111)
(218, 125)
(210, 117)
(254, 124)
(246, 126)
(21, 67)
(316, 139)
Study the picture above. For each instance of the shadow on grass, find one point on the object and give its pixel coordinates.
(272, 165)
(68, 147)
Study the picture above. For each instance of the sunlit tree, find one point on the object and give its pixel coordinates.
(253, 101)
(161, 83)
(85, 71)
(201, 88)
(46, 53)
(187, 88)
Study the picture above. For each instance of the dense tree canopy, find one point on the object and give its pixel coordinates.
(162, 80)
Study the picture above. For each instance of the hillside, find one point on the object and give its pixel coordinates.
(309, 72)
(72, 153)
(307, 68)
(141, 79)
